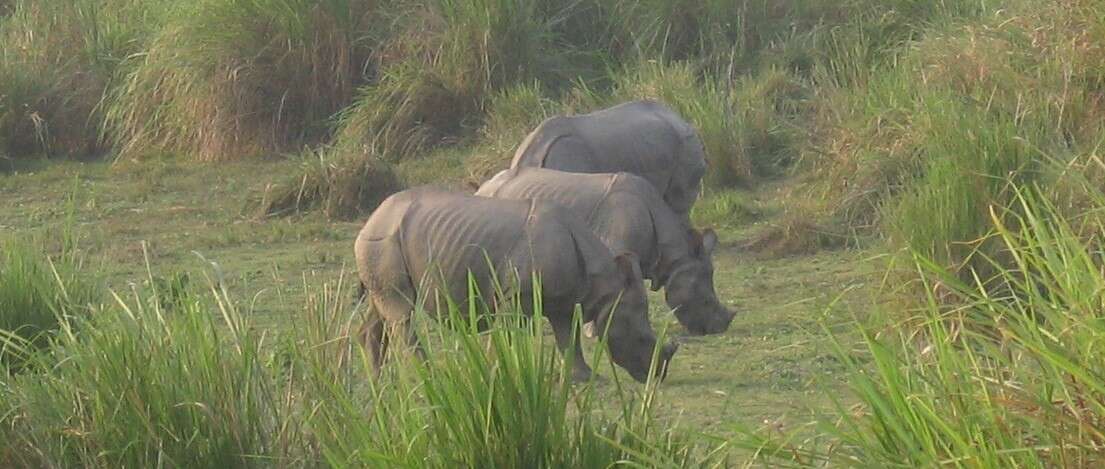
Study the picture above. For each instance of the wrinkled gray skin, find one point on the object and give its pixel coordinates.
(628, 215)
(421, 244)
(644, 138)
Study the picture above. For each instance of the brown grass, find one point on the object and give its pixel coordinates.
(340, 187)
(795, 233)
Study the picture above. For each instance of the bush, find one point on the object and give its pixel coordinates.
(241, 78)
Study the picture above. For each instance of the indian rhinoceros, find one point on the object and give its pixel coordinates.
(422, 244)
(643, 137)
(628, 215)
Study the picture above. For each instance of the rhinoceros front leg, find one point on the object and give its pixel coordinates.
(389, 320)
(569, 342)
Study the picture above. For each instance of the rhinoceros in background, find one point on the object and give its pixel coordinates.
(421, 244)
(628, 215)
(645, 138)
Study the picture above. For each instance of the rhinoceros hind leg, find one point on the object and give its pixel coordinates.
(374, 339)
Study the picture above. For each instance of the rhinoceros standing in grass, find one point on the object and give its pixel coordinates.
(422, 244)
(628, 215)
(644, 137)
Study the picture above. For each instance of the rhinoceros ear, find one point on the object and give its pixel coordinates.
(694, 237)
(709, 241)
(702, 242)
(629, 267)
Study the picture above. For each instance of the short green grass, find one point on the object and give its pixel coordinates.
(772, 365)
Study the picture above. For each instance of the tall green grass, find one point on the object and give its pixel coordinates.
(57, 59)
(727, 37)
(451, 57)
(146, 386)
(191, 382)
(37, 294)
(918, 112)
(497, 399)
(1009, 379)
(229, 79)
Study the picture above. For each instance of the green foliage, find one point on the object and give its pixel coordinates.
(724, 208)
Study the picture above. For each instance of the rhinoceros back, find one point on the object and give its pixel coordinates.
(579, 194)
(446, 237)
(624, 210)
(639, 137)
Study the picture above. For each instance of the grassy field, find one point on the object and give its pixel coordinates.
(773, 363)
(908, 195)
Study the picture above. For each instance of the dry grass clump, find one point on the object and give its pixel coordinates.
(797, 232)
(341, 188)
(406, 113)
(240, 78)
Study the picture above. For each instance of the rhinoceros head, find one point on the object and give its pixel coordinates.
(624, 318)
(690, 288)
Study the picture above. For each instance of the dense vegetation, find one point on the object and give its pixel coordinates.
(959, 136)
